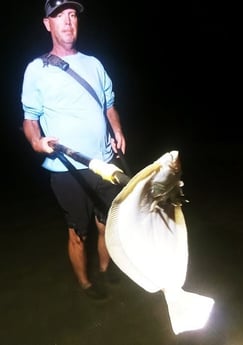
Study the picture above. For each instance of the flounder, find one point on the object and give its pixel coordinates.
(146, 236)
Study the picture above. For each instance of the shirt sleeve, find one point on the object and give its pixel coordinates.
(31, 97)
(106, 84)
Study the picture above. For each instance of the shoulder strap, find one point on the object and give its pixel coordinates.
(57, 61)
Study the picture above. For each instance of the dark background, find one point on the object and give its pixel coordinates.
(175, 70)
(173, 67)
(175, 73)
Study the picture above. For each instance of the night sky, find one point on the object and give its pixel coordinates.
(171, 64)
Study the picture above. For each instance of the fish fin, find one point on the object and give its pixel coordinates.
(188, 311)
(179, 216)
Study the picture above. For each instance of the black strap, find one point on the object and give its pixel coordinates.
(57, 61)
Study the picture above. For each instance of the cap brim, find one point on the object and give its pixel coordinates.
(52, 12)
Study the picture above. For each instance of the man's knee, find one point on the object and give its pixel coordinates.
(100, 227)
(75, 237)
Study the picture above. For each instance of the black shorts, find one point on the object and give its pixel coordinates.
(81, 195)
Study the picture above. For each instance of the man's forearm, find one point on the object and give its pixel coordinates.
(114, 120)
(32, 133)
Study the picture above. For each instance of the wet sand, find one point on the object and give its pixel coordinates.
(41, 303)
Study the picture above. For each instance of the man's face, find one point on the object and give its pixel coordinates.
(63, 27)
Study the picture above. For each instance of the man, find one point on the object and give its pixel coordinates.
(58, 109)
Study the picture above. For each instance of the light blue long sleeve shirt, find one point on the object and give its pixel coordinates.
(65, 108)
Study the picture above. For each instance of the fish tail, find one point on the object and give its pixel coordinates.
(187, 311)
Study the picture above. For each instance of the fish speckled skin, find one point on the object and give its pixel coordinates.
(146, 236)
(168, 187)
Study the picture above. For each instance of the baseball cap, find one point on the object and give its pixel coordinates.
(52, 5)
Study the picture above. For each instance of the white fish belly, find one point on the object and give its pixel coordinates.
(150, 247)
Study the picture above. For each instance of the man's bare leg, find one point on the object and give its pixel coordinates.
(104, 257)
(108, 270)
(78, 257)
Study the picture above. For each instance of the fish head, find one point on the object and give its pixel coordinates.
(166, 185)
